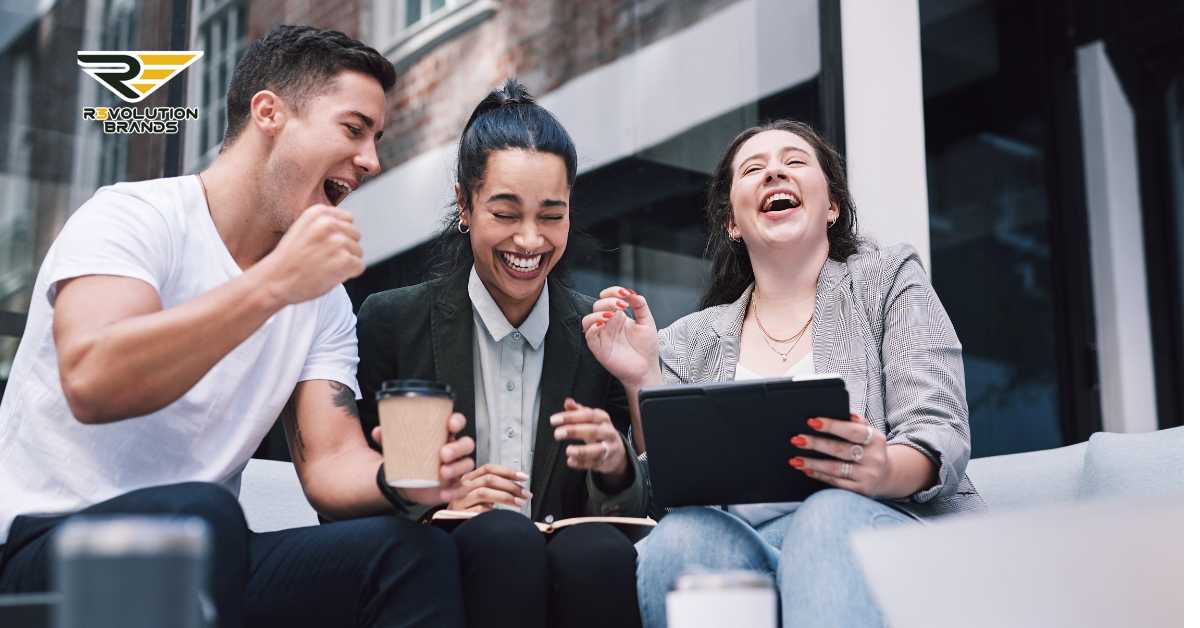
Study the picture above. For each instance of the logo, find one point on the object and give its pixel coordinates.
(133, 76)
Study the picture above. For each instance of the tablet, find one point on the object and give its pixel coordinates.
(729, 443)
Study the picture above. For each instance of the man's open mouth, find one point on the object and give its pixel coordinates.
(336, 191)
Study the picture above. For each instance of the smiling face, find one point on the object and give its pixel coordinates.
(323, 152)
(519, 218)
(779, 195)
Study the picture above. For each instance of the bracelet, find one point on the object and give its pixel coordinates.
(394, 497)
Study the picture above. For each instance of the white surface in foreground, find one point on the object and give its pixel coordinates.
(1111, 563)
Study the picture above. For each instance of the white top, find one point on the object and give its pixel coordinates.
(508, 379)
(755, 514)
(160, 232)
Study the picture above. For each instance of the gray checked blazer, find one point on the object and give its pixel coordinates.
(877, 322)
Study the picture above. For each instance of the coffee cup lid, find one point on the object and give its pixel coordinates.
(422, 387)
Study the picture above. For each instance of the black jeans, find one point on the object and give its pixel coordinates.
(376, 571)
(584, 576)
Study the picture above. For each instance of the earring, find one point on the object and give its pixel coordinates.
(731, 238)
(463, 228)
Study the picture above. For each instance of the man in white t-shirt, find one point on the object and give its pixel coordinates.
(173, 320)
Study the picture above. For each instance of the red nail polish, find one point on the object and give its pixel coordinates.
(799, 441)
(624, 305)
(796, 462)
(816, 424)
(600, 324)
(608, 315)
(623, 292)
(808, 472)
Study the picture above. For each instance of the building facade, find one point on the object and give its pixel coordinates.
(1031, 152)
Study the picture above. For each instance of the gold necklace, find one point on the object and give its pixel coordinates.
(795, 339)
(754, 311)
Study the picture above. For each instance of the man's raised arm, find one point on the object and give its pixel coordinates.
(121, 355)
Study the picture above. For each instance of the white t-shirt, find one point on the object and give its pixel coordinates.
(755, 514)
(160, 232)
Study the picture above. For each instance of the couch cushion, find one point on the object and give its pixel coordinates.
(1133, 465)
(1016, 481)
(272, 498)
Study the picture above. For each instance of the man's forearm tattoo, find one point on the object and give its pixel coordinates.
(343, 398)
(292, 427)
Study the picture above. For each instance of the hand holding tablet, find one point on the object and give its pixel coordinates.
(731, 443)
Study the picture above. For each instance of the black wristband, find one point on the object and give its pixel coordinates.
(390, 493)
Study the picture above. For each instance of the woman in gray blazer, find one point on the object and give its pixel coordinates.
(794, 291)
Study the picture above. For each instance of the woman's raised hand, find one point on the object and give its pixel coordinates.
(627, 347)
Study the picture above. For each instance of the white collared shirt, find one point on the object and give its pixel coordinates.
(508, 376)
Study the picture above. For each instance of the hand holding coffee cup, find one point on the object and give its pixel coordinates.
(456, 461)
(416, 429)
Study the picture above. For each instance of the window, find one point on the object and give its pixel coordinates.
(51, 160)
(404, 30)
(119, 33)
(220, 31)
(1001, 216)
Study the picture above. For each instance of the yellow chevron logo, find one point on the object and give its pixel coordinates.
(134, 75)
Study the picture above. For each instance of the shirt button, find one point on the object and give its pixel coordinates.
(509, 386)
(516, 463)
(510, 432)
(516, 335)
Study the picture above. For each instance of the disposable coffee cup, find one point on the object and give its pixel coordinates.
(413, 414)
(132, 572)
(706, 599)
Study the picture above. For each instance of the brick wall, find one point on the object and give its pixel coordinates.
(544, 43)
(336, 14)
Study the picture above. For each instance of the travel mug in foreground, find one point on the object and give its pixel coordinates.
(413, 414)
(132, 572)
(721, 599)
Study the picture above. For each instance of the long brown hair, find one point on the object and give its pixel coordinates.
(731, 270)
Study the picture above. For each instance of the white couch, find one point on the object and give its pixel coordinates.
(1107, 465)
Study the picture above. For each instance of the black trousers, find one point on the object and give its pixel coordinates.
(376, 571)
(585, 575)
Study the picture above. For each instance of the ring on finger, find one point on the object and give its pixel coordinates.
(856, 453)
(870, 435)
(846, 470)
(604, 448)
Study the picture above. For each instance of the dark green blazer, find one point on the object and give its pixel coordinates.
(426, 331)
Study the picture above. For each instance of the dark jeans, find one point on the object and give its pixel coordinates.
(584, 576)
(376, 571)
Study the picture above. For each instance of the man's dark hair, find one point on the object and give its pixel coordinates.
(296, 62)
